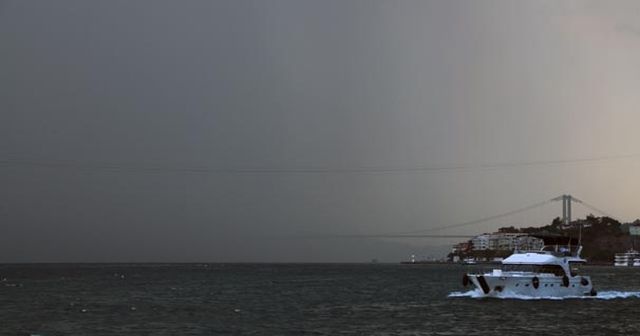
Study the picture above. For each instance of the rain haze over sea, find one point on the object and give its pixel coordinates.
(226, 131)
(261, 167)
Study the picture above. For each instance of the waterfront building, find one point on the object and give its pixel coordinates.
(506, 241)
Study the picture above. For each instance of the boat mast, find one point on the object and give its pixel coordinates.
(580, 235)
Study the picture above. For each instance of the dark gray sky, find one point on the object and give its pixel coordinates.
(127, 127)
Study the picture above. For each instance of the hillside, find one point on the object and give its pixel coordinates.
(602, 237)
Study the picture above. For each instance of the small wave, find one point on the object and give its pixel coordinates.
(617, 295)
(604, 295)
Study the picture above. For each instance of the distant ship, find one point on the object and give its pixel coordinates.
(626, 259)
(470, 261)
(414, 261)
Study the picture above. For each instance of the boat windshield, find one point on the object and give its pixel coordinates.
(552, 269)
(562, 250)
(575, 266)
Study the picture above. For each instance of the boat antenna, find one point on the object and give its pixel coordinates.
(580, 234)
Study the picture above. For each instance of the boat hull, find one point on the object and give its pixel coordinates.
(525, 285)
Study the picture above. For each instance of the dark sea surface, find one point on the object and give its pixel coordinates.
(295, 299)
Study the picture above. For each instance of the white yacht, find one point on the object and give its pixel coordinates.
(629, 258)
(551, 272)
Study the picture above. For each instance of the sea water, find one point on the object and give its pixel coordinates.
(297, 299)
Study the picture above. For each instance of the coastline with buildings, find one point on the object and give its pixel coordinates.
(601, 237)
(493, 247)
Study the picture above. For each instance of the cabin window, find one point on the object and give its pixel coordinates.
(552, 269)
(575, 268)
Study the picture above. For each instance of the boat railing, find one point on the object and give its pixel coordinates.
(486, 269)
(562, 250)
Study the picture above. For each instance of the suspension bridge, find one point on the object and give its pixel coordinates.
(567, 201)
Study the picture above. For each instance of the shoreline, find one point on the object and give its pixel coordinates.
(595, 263)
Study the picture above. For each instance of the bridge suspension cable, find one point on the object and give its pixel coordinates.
(481, 220)
(591, 207)
(121, 167)
(425, 233)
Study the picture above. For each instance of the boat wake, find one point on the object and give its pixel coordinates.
(605, 295)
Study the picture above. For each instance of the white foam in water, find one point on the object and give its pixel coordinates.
(605, 295)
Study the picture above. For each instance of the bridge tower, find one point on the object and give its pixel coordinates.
(566, 209)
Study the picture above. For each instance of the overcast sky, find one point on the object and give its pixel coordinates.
(228, 130)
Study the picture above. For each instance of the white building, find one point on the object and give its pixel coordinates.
(529, 243)
(481, 242)
(506, 241)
